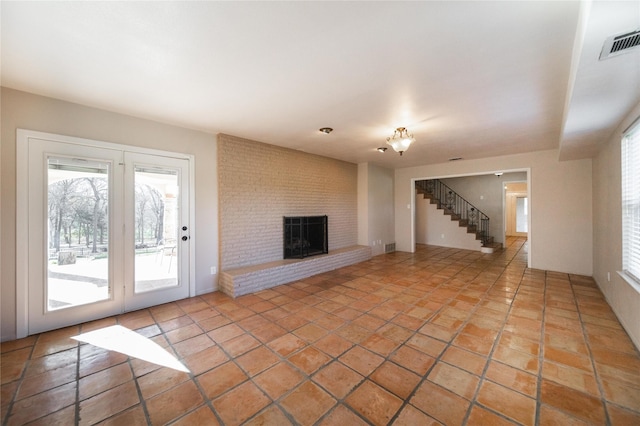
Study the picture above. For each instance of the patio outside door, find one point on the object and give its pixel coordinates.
(108, 231)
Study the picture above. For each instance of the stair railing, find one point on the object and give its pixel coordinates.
(454, 204)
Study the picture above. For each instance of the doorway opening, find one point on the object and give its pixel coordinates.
(516, 209)
(485, 190)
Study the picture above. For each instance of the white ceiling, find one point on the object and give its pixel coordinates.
(469, 79)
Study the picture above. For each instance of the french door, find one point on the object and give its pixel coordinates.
(157, 203)
(107, 230)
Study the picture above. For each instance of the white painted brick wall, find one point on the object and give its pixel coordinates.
(261, 183)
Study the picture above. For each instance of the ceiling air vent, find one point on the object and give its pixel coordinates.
(617, 45)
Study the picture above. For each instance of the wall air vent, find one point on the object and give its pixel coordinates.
(617, 45)
(390, 248)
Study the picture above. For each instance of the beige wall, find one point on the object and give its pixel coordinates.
(561, 234)
(261, 183)
(31, 112)
(436, 228)
(363, 204)
(375, 207)
(623, 297)
(584, 236)
(516, 187)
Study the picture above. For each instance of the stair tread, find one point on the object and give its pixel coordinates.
(448, 210)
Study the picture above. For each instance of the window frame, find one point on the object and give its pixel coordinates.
(630, 203)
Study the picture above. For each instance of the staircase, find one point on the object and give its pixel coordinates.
(460, 210)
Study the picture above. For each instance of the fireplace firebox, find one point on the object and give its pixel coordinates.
(305, 236)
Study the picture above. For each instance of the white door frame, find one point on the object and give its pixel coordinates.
(508, 210)
(412, 205)
(22, 209)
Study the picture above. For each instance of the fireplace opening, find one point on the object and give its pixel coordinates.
(305, 236)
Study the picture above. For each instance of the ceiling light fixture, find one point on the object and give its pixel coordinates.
(498, 174)
(381, 149)
(326, 130)
(401, 140)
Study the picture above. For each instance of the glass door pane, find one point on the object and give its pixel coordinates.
(78, 232)
(156, 228)
(158, 242)
(74, 254)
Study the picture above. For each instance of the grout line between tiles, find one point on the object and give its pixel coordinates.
(541, 352)
(20, 380)
(596, 374)
(450, 343)
(77, 402)
(474, 400)
(452, 275)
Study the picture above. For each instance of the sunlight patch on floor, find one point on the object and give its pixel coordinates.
(121, 339)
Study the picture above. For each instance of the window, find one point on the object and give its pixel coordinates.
(631, 202)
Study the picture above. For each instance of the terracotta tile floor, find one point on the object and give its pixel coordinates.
(442, 336)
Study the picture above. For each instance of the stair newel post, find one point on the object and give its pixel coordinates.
(485, 230)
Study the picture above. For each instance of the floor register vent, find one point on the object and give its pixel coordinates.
(617, 45)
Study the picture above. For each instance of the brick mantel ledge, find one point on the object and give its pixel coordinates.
(251, 279)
